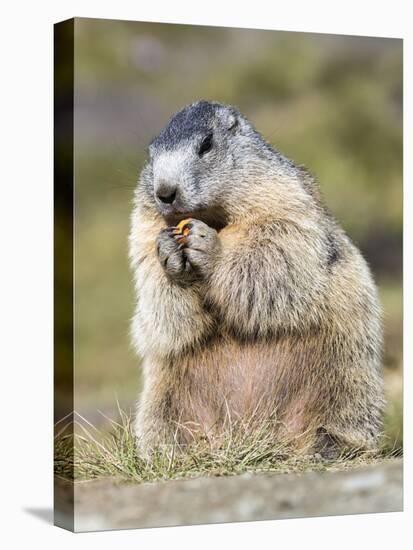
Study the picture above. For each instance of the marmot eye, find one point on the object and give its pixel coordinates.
(206, 145)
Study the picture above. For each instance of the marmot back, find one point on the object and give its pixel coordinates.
(261, 306)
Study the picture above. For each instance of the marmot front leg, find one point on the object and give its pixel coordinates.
(162, 304)
(268, 277)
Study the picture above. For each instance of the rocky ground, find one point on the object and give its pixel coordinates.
(108, 504)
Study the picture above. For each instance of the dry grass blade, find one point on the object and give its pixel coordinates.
(84, 452)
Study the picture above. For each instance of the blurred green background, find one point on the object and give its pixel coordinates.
(332, 103)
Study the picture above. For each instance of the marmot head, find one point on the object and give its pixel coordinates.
(203, 160)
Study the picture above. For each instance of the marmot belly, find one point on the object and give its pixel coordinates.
(233, 382)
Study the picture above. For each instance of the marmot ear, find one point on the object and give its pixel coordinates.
(232, 121)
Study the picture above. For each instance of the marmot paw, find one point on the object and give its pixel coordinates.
(201, 246)
(170, 254)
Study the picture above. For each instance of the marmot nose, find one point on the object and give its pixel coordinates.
(166, 193)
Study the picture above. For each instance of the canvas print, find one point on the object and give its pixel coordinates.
(228, 274)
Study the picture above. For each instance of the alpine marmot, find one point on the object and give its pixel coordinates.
(262, 304)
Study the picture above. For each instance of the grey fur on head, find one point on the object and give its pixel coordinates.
(203, 149)
(266, 304)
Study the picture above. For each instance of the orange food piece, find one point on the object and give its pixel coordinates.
(181, 227)
(180, 231)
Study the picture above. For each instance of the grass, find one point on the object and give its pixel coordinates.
(83, 452)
